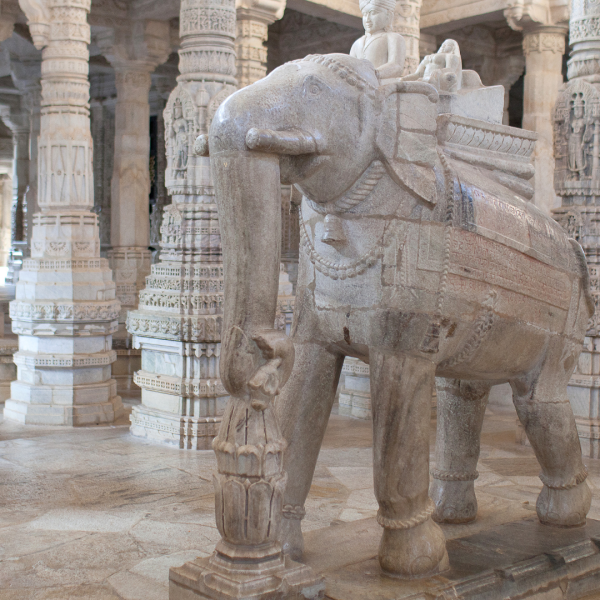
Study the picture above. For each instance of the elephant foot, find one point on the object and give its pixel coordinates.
(291, 538)
(564, 507)
(413, 553)
(455, 501)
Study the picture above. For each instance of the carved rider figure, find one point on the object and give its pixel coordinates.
(443, 70)
(181, 140)
(579, 135)
(384, 48)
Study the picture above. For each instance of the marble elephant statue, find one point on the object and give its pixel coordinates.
(419, 255)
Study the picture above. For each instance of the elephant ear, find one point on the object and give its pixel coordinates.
(408, 143)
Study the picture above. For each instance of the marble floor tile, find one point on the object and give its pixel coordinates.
(95, 513)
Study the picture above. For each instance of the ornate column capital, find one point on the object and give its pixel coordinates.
(544, 39)
(138, 46)
(527, 14)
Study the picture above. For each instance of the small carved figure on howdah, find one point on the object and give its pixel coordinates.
(443, 69)
(434, 266)
(384, 48)
(580, 134)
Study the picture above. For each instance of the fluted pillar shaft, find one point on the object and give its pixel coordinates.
(65, 309)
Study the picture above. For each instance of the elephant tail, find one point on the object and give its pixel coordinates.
(585, 276)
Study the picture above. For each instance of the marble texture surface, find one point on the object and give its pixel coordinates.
(97, 513)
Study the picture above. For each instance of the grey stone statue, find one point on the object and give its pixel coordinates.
(421, 256)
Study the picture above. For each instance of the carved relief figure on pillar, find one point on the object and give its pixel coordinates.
(579, 135)
(179, 141)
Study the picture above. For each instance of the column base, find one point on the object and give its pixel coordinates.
(8, 369)
(123, 369)
(189, 433)
(79, 405)
(219, 578)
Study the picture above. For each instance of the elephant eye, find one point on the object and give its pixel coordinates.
(312, 87)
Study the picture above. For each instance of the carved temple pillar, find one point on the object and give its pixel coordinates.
(407, 22)
(252, 31)
(134, 52)
(543, 48)
(177, 325)
(544, 26)
(577, 183)
(16, 231)
(26, 75)
(65, 310)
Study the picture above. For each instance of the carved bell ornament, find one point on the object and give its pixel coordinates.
(333, 232)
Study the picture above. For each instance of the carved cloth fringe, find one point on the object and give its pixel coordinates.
(293, 512)
(409, 523)
(447, 476)
(579, 478)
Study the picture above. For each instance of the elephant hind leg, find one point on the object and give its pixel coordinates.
(545, 412)
(461, 406)
(412, 545)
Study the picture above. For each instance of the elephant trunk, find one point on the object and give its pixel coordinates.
(248, 194)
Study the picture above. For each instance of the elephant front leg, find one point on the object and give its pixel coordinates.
(401, 387)
(303, 410)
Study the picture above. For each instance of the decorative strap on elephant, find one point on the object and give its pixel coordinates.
(336, 270)
(360, 191)
(574, 482)
(448, 476)
(409, 523)
(296, 513)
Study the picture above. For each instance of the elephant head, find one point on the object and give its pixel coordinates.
(318, 123)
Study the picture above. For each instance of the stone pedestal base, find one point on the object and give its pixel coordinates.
(183, 398)
(87, 404)
(490, 559)
(189, 433)
(128, 362)
(216, 578)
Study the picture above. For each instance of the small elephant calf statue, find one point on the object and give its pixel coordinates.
(419, 255)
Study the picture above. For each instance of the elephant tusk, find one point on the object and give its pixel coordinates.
(201, 145)
(291, 141)
(412, 87)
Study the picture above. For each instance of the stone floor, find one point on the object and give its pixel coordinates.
(96, 513)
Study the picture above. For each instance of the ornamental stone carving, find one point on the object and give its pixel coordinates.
(181, 304)
(65, 306)
(423, 257)
(577, 182)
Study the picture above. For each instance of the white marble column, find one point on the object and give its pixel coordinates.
(177, 325)
(544, 26)
(134, 51)
(252, 31)
(406, 22)
(65, 310)
(543, 48)
(577, 183)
